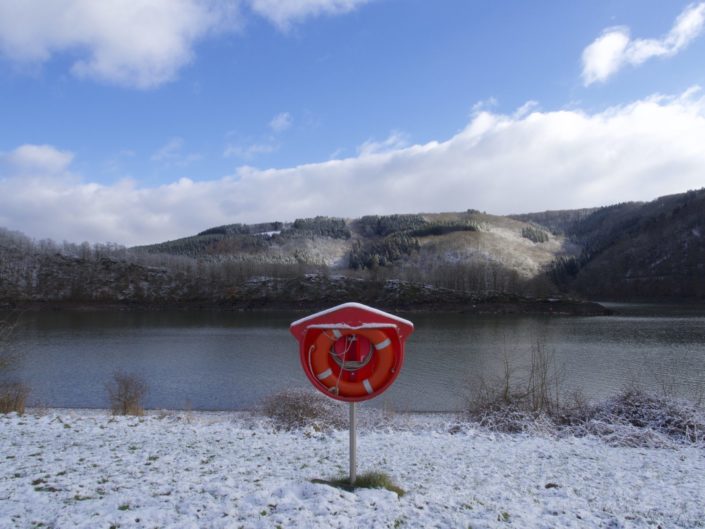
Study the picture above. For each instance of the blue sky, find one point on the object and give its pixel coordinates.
(135, 121)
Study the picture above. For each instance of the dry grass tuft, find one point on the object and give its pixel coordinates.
(13, 393)
(126, 392)
(297, 408)
(13, 396)
(368, 480)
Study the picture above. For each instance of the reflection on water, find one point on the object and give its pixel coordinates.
(216, 360)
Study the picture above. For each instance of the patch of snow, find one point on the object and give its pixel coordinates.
(268, 234)
(352, 327)
(258, 279)
(81, 469)
(352, 305)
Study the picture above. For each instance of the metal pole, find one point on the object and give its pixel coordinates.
(353, 446)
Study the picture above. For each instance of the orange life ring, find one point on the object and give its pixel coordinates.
(323, 367)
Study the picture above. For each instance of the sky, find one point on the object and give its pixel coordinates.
(139, 121)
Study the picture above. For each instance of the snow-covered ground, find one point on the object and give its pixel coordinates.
(66, 469)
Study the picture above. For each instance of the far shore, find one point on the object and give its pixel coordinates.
(498, 305)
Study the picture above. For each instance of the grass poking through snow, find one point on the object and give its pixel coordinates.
(368, 480)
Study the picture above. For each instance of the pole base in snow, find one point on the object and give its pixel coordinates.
(353, 445)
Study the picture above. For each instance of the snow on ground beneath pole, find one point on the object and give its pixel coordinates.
(67, 469)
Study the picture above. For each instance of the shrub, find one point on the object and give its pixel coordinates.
(510, 402)
(126, 392)
(636, 418)
(13, 396)
(297, 408)
(530, 403)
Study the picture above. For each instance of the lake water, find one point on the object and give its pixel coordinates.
(221, 360)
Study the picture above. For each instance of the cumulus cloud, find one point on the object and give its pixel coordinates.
(501, 163)
(615, 49)
(141, 43)
(136, 43)
(284, 13)
(37, 158)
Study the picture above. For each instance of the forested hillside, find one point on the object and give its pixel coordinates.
(558, 222)
(395, 260)
(468, 251)
(653, 250)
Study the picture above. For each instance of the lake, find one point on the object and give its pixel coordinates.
(224, 360)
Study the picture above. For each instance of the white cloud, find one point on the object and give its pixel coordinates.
(605, 56)
(136, 43)
(485, 104)
(140, 43)
(281, 122)
(37, 158)
(525, 109)
(499, 163)
(284, 13)
(615, 49)
(171, 153)
(249, 151)
(395, 141)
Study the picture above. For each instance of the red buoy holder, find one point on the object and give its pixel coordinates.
(352, 353)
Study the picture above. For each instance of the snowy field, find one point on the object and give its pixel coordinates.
(66, 469)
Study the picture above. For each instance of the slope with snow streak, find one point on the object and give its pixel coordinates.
(86, 469)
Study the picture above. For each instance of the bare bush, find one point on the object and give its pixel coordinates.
(631, 418)
(531, 400)
(126, 392)
(518, 397)
(636, 418)
(13, 393)
(296, 408)
(13, 396)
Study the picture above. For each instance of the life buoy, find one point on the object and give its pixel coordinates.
(364, 378)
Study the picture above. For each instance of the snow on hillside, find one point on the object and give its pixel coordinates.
(86, 469)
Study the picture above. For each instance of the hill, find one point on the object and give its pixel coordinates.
(458, 261)
(455, 250)
(651, 250)
(453, 261)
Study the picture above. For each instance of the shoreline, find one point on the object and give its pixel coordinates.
(496, 305)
